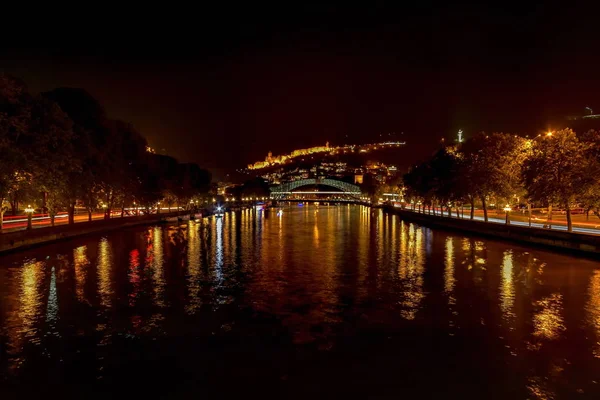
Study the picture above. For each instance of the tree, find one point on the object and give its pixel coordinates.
(52, 156)
(492, 166)
(419, 184)
(257, 187)
(556, 170)
(15, 110)
(62, 144)
(590, 197)
(126, 163)
(90, 141)
(445, 171)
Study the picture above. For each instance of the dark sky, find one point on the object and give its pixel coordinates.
(223, 85)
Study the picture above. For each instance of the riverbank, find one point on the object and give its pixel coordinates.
(560, 240)
(24, 239)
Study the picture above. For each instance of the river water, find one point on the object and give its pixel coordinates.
(320, 301)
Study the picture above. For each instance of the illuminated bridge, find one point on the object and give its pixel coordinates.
(293, 190)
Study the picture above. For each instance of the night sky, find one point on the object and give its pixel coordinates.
(221, 86)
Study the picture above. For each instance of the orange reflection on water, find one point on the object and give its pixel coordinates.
(411, 271)
(473, 257)
(22, 325)
(548, 322)
(538, 388)
(507, 288)
(104, 270)
(81, 262)
(193, 266)
(593, 309)
(156, 258)
(449, 280)
(31, 300)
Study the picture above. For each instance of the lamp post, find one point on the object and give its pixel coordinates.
(507, 209)
(29, 212)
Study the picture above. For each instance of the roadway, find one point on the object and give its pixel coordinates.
(39, 221)
(19, 222)
(559, 223)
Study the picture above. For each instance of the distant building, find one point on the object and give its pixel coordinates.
(358, 179)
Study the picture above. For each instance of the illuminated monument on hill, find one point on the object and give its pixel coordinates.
(271, 160)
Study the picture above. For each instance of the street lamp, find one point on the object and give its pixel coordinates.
(507, 209)
(29, 212)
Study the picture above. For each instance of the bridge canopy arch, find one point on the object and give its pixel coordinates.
(285, 189)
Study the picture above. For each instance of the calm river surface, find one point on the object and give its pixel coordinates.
(322, 302)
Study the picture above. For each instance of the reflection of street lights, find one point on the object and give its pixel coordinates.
(29, 212)
(507, 209)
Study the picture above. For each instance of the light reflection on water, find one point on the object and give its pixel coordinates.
(193, 265)
(548, 321)
(593, 309)
(104, 272)
(80, 265)
(507, 290)
(52, 308)
(31, 300)
(156, 261)
(310, 277)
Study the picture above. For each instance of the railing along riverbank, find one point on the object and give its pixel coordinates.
(574, 242)
(24, 239)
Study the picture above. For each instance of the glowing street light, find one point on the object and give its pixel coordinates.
(507, 208)
(29, 210)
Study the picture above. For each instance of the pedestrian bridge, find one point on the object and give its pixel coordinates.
(293, 189)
